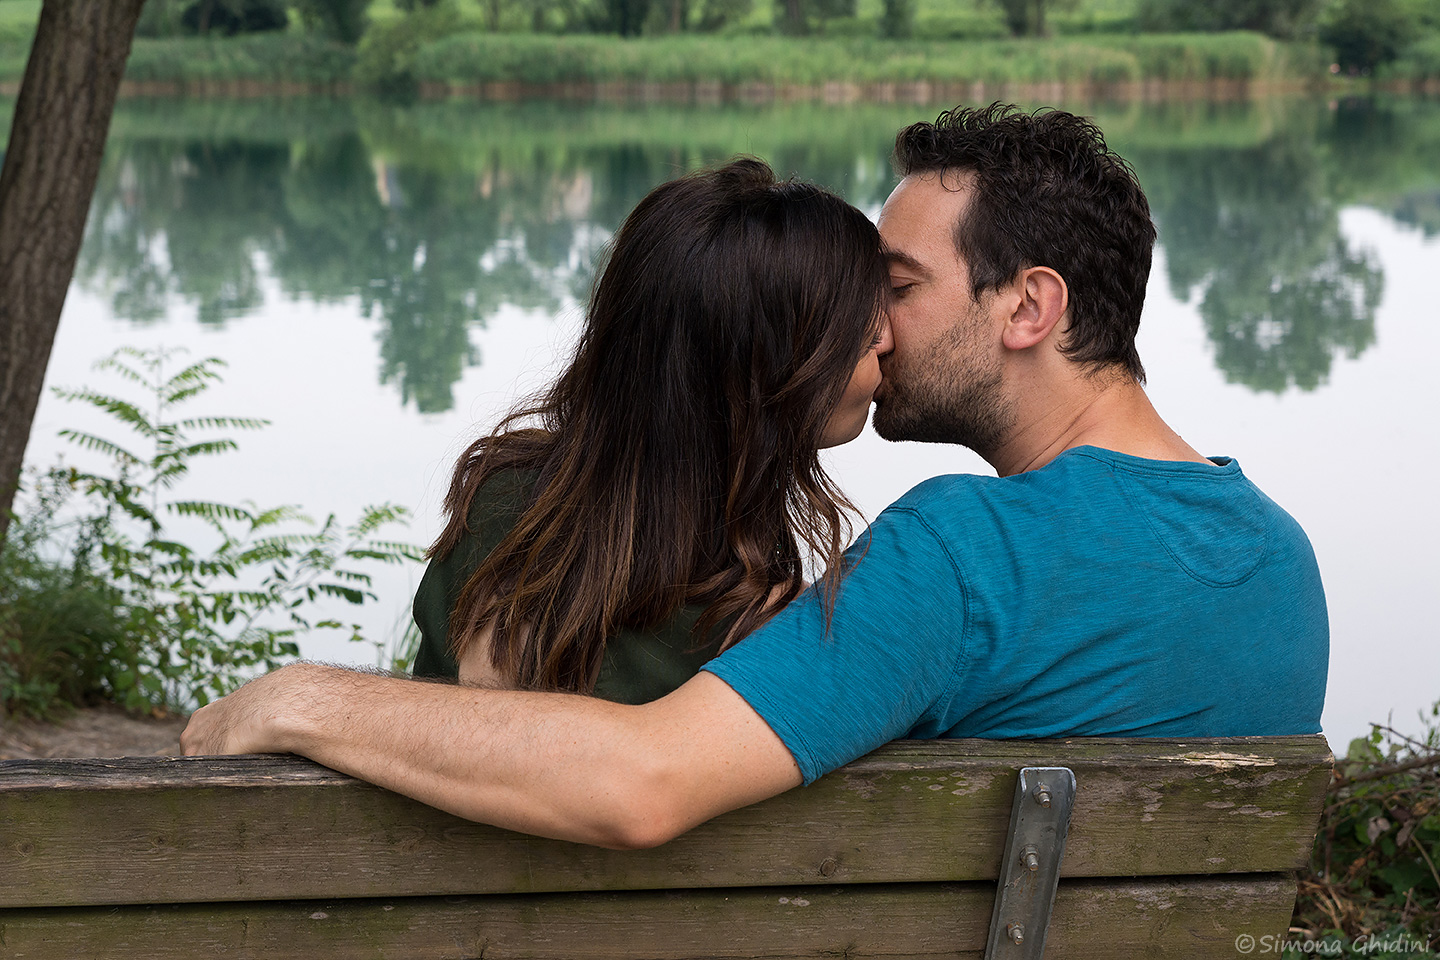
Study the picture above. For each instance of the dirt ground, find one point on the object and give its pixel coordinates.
(93, 732)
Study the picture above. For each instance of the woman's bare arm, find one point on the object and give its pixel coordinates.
(476, 667)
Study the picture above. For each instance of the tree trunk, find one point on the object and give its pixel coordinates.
(795, 17)
(56, 141)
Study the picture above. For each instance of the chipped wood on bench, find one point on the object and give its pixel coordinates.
(917, 811)
(1175, 849)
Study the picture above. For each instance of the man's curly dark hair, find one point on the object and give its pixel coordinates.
(1047, 192)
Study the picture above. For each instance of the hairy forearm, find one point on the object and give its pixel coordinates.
(557, 765)
(561, 766)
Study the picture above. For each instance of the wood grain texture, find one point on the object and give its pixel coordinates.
(1193, 918)
(190, 830)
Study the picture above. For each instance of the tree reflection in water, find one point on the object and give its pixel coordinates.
(433, 218)
(1255, 231)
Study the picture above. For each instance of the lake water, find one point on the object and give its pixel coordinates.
(383, 282)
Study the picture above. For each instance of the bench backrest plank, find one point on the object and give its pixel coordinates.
(918, 811)
(1193, 918)
(277, 856)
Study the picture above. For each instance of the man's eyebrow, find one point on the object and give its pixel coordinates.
(905, 260)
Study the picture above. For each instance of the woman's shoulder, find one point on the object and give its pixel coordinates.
(505, 493)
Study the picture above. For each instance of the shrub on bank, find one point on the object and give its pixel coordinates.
(1375, 872)
(112, 589)
(473, 59)
(439, 47)
(1419, 63)
(1236, 55)
(268, 58)
(62, 635)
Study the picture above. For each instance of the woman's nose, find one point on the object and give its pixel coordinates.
(887, 340)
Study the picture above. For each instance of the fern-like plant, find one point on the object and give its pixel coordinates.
(200, 621)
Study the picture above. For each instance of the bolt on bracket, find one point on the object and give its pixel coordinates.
(1030, 872)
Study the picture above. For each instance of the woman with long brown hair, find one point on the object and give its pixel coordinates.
(650, 509)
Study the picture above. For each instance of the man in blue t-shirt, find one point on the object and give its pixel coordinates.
(1110, 581)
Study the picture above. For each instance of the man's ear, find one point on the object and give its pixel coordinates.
(1041, 300)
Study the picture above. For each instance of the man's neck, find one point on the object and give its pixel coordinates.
(1110, 411)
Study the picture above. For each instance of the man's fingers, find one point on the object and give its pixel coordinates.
(237, 723)
(193, 739)
(218, 728)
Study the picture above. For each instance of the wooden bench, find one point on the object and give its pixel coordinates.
(1175, 848)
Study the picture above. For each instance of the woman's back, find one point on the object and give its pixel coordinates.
(640, 664)
(658, 501)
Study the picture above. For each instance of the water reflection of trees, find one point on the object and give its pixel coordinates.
(428, 244)
(1383, 151)
(1255, 231)
(182, 220)
(425, 254)
(433, 218)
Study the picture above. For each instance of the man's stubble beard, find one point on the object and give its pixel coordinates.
(953, 396)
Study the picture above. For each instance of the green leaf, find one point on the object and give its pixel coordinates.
(349, 594)
(277, 515)
(180, 396)
(291, 540)
(352, 575)
(170, 547)
(200, 373)
(209, 510)
(206, 448)
(409, 551)
(262, 552)
(122, 410)
(89, 441)
(374, 517)
(1402, 875)
(223, 423)
(112, 364)
(172, 474)
(384, 556)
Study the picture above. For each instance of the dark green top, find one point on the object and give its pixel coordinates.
(639, 665)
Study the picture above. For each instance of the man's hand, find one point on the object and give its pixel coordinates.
(556, 765)
(246, 721)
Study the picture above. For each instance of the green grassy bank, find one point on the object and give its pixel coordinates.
(475, 59)
(471, 60)
(505, 48)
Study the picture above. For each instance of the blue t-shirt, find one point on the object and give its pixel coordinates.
(1101, 595)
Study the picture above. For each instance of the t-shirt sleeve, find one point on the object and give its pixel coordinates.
(894, 647)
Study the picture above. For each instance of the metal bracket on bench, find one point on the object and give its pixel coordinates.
(1039, 822)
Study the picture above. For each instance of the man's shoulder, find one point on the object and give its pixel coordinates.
(950, 491)
(1090, 469)
(973, 497)
(1088, 494)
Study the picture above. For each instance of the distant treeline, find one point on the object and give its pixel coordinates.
(405, 46)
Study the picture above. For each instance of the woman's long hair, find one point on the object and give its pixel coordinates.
(678, 455)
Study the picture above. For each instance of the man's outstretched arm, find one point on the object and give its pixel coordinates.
(569, 767)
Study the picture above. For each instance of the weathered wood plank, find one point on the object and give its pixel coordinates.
(1093, 919)
(187, 830)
